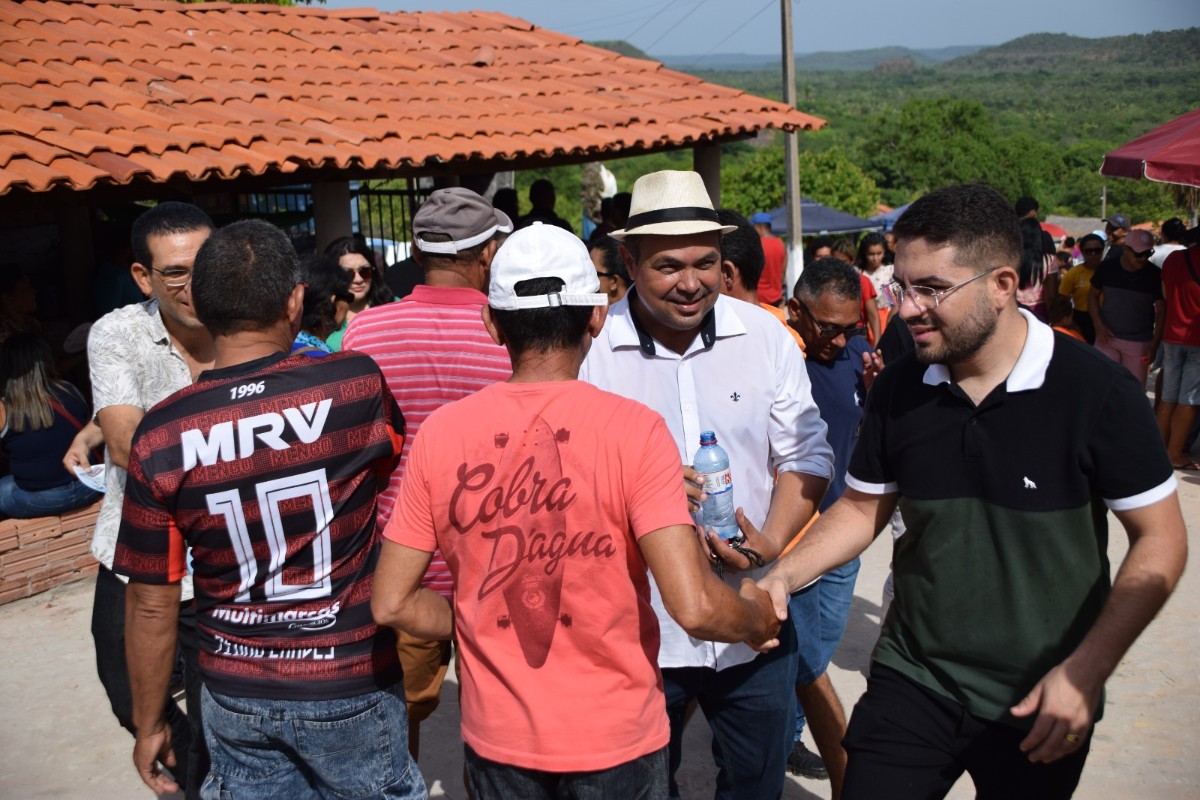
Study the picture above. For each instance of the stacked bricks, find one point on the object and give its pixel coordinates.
(42, 553)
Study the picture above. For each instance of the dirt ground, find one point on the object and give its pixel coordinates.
(60, 740)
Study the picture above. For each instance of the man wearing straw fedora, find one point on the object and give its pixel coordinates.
(560, 692)
(708, 362)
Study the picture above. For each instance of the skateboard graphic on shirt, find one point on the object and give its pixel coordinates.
(532, 596)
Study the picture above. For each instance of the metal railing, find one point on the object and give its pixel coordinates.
(381, 211)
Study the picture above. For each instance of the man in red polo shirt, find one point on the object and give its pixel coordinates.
(1181, 350)
(433, 349)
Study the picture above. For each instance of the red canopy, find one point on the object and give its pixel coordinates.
(1055, 231)
(1168, 154)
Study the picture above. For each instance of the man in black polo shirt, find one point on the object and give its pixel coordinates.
(994, 654)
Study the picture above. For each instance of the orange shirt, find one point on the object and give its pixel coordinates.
(781, 315)
(536, 494)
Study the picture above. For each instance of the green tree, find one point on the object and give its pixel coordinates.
(758, 183)
(928, 144)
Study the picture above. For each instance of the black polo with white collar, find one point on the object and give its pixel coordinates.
(1003, 568)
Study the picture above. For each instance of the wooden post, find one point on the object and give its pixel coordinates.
(331, 211)
(795, 262)
(706, 159)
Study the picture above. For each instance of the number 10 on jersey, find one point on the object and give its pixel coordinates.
(228, 504)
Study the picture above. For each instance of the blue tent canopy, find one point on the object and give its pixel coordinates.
(888, 219)
(817, 219)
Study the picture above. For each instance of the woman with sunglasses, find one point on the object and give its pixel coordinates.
(366, 283)
(1078, 280)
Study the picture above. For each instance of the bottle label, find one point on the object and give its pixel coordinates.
(717, 482)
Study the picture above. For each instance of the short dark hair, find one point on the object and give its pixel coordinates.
(846, 247)
(1026, 204)
(828, 275)
(972, 218)
(243, 275)
(1090, 237)
(380, 292)
(541, 193)
(620, 206)
(1173, 229)
(165, 219)
(324, 282)
(1058, 308)
(541, 329)
(742, 246)
(610, 257)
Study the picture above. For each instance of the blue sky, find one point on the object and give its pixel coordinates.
(697, 27)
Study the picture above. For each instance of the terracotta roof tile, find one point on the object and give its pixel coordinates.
(97, 92)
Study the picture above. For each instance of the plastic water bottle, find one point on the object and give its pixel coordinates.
(718, 511)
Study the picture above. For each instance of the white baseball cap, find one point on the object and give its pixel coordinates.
(544, 251)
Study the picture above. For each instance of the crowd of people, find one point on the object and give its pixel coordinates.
(322, 494)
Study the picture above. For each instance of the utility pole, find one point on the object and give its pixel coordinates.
(795, 262)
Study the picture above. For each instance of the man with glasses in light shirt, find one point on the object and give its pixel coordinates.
(138, 355)
(1004, 628)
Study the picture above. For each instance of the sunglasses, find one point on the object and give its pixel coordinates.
(1090, 250)
(362, 272)
(826, 331)
(1142, 253)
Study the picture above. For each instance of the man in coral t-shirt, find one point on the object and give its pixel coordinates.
(548, 522)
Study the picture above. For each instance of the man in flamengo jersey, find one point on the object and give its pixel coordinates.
(548, 521)
(261, 479)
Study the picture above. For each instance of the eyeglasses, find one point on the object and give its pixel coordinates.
(1142, 253)
(832, 331)
(174, 277)
(922, 295)
(362, 272)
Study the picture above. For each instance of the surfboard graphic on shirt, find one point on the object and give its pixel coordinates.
(534, 597)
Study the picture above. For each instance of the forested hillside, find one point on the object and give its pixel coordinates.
(1032, 116)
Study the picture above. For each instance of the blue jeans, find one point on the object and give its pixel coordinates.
(20, 503)
(642, 778)
(352, 747)
(750, 709)
(819, 613)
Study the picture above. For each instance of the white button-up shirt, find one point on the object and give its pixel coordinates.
(742, 377)
(132, 363)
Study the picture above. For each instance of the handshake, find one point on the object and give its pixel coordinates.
(769, 600)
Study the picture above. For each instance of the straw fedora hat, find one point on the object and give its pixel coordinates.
(670, 203)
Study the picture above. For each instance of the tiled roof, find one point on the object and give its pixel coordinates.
(108, 93)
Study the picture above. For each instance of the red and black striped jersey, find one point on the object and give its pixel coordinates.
(262, 479)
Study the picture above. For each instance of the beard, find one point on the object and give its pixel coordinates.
(962, 340)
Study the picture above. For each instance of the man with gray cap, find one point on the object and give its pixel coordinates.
(550, 498)
(1116, 228)
(433, 349)
(708, 362)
